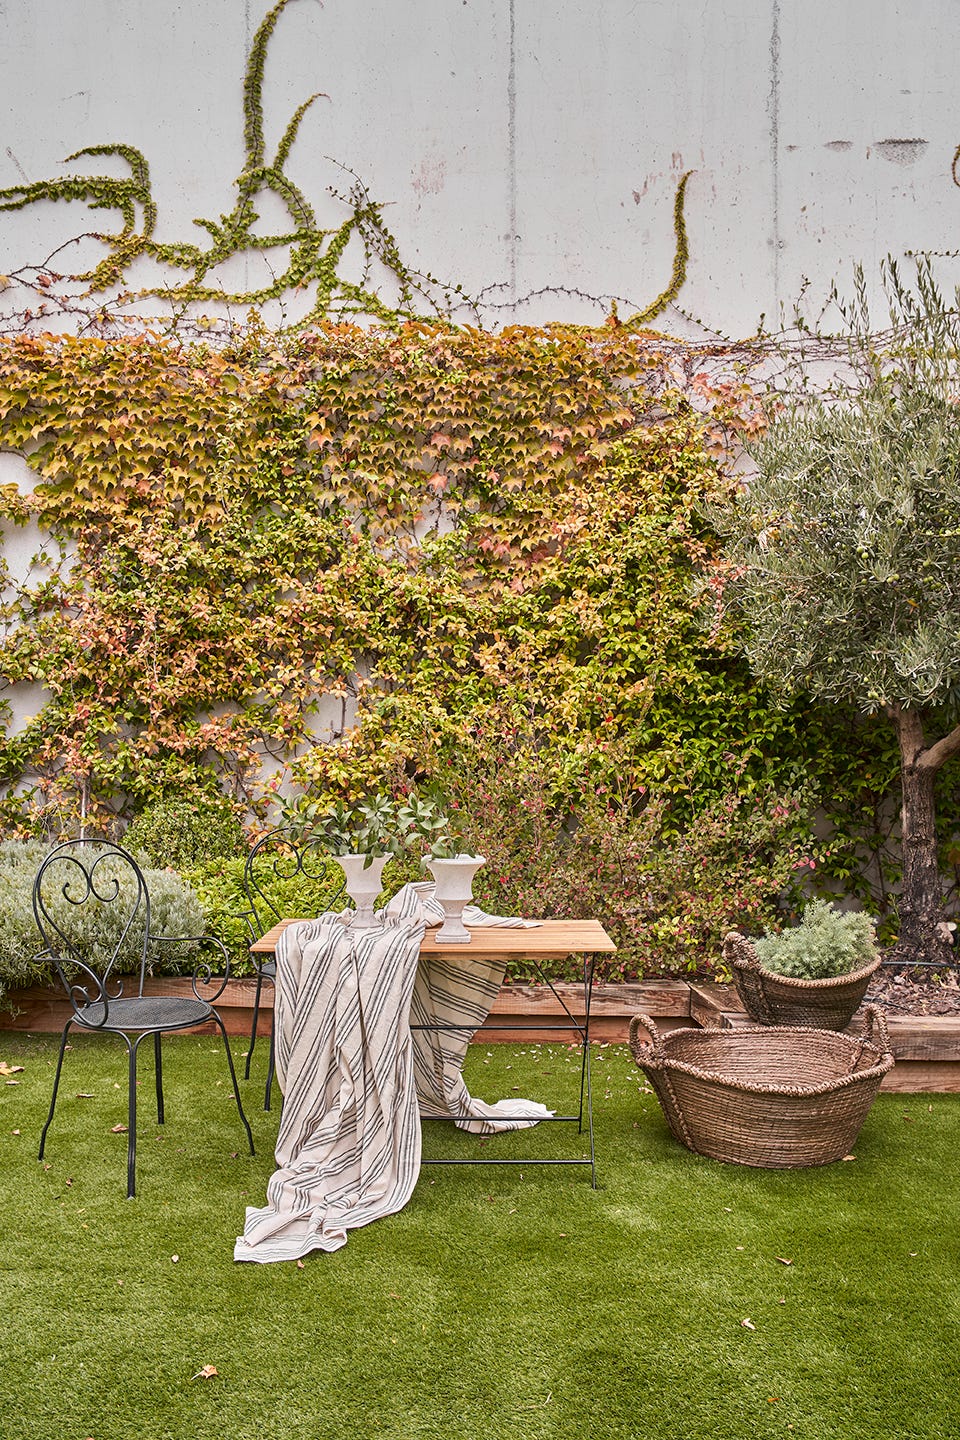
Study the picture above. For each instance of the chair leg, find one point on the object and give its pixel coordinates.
(233, 1078)
(158, 1071)
(253, 1027)
(56, 1087)
(132, 1118)
(272, 1062)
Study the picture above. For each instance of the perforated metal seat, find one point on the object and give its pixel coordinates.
(146, 1012)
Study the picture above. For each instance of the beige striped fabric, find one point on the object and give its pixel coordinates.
(356, 1079)
(456, 990)
(348, 1147)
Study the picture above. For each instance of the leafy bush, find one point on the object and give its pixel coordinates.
(825, 943)
(181, 833)
(175, 911)
(20, 941)
(665, 883)
(219, 886)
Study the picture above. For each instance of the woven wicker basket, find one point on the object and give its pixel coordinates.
(774, 1098)
(780, 1000)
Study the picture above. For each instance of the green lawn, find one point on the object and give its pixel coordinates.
(501, 1302)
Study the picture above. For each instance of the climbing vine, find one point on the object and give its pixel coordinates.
(412, 523)
(313, 254)
(334, 559)
(330, 563)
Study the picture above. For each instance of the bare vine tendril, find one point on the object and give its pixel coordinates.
(313, 255)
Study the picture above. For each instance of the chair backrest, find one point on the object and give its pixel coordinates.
(93, 911)
(289, 869)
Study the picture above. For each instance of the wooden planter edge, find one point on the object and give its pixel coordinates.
(927, 1048)
(44, 1009)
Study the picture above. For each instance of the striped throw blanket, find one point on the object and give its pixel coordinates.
(356, 1078)
(456, 989)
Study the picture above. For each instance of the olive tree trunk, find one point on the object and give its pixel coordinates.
(924, 935)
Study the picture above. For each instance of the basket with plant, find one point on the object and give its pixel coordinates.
(815, 974)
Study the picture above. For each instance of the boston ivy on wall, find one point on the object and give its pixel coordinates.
(246, 536)
(440, 525)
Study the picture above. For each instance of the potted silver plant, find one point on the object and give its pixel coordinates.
(815, 973)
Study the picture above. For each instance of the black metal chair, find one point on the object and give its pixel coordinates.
(92, 906)
(284, 853)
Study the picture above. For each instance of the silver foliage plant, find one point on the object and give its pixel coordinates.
(825, 943)
(176, 910)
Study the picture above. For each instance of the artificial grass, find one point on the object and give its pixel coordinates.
(501, 1302)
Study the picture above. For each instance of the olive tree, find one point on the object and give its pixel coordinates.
(843, 555)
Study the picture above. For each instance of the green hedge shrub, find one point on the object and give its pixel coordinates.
(218, 883)
(181, 833)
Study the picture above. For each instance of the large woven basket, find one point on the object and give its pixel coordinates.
(774, 1098)
(780, 1000)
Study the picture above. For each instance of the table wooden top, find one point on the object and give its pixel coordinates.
(550, 937)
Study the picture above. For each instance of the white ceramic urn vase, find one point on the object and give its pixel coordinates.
(453, 881)
(364, 874)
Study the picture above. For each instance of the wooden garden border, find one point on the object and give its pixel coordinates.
(927, 1048)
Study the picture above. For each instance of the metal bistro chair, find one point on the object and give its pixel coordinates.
(286, 853)
(91, 903)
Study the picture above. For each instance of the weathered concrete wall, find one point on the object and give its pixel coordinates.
(527, 150)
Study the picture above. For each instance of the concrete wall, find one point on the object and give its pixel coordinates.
(528, 150)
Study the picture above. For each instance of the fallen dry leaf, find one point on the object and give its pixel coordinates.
(783, 1260)
(849, 1157)
(6, 1069)
(300, 1265)
(207, 1373)
(537, 1404)
(118, 1129)
(175, 1259)
(14, 1132)
(748, 1324)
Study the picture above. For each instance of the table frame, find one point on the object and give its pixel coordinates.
(552, 939)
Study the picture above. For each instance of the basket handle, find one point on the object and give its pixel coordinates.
(653, 1057)
(738, 950)
(876, 1029)
(645, 1054)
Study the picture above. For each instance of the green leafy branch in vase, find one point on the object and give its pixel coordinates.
(379, 825)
